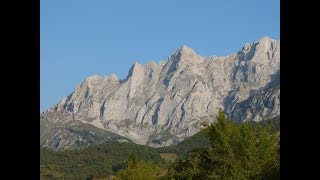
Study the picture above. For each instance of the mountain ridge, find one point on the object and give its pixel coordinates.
(160, 104)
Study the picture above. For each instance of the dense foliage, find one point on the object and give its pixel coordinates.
(223, 150)
(144, 170)
(198, 140)
(237, 151)
(97, 160)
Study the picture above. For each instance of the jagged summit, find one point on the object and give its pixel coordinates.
(184, 51)
(93, 77)
(113, 77)
(266, 39)
(185, 54)
(266, 43)
(160, 104)
(187, 50)
(96, 78)
(135, 68)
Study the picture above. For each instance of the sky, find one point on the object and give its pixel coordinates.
(81, 38)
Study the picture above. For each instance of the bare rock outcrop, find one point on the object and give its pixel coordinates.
(160, 104)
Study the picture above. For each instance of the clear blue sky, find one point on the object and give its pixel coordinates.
(80, 38)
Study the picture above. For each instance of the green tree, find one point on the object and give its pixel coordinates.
(238, 151)
(143, 170)
(132, 161)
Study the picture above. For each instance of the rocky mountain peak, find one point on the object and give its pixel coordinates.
(266, 44)
(266, 39)
(261, 50)
(160, 104)
(93, 78)
(184, 52)
(136, 68)
(113, 77)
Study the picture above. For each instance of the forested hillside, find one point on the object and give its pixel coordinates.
(105, 160)
(96, 160)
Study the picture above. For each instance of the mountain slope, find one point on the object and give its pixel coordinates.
(75, 135)
(160, 104)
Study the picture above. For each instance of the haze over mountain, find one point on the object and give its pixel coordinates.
(160, 104)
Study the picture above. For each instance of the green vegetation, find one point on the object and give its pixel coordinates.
(223, 150)
(237, 151)
(198, 140)
(171, 157)
(143, 170)
(96, 160)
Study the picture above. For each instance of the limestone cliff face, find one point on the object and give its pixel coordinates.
(160, 104)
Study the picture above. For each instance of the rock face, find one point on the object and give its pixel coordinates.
(160, 104)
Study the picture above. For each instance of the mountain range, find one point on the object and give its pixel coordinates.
(160, 104)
